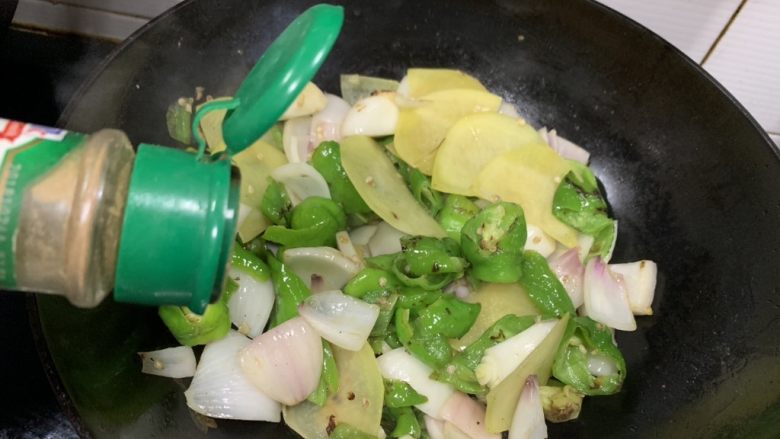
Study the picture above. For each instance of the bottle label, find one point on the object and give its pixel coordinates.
(27, 153)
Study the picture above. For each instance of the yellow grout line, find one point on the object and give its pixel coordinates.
(723, 31)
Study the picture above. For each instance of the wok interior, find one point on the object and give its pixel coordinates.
(691, 179)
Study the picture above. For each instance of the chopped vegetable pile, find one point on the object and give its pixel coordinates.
(414, 261)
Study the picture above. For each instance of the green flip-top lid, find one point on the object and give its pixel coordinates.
(280, 75)
(182, 209)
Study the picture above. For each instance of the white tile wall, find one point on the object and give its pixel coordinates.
(691, 25)
(111, 19)
(746, 59)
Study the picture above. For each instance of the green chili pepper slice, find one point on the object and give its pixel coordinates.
(493, 242)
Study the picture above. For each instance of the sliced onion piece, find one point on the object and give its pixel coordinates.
(569, 270)
(528, 420)
(570, 150)
(251, 304)
(220, 389)
(502, 359)
(599, 366)
(507, 109)
(386, 240)
(347, 248)
(639, 279)
(563, 147)
(606, 300)
(434, 427)
(539, 241)
(461, 288)
(400, 365)
(296, 139)
(178, 362)
(301, 181)
(326, 124)
(373, 116)
(321, 268)
(468, 415)
(363, 234)
(584, 243)
(284, 363)
(403, 87)
(309, 101)
(342, 320)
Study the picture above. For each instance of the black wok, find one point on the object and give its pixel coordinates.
(693, 180)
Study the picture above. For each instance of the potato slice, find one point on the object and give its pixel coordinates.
(497, 300)
(309, 101)
(472, 143)
(528, 176)
(422, 128)
(383, 189)
(256, 163)
(420, 82)
(358, 401)
(502, 399)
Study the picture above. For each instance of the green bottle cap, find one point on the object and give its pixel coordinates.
(281, 74)
(180, 219)
(178, 229)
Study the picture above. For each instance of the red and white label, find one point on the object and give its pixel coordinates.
(14, 133)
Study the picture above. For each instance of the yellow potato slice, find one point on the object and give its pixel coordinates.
(496, 300)
(383, 189)
(471, 143)
(255, 163)
(422, 128)
(502, 399)
(358, 401)
(528, 176)
(421, 82)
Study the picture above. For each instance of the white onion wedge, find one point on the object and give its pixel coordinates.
(178, 362)
(342, 320)
(507, 109)
(363, 234)
(309, 101)
(400, 365)
(403, 87)
(569, 270)
(347, 248)
(296, 139)
(563, 147)
(468, 415)
(321, 268)
(584, 244)
(434, 427)
(528, 420)
(326, 124)
(600, 366)
(284, 363)
(386, 240)
(301, 181)
(639, 279)
(502, 359)
(251, 304)
(539, 241)
(606, 300)
(373, 116)
(219, 388)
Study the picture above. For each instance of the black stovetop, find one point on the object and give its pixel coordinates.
(39, 73)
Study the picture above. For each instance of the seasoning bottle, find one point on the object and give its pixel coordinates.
(84, 215)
